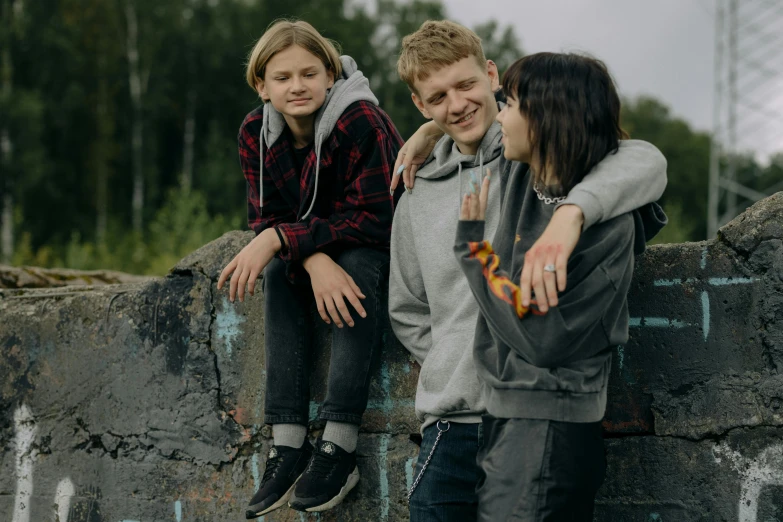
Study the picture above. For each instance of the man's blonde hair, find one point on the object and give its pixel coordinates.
(281, 35)
(435, 45)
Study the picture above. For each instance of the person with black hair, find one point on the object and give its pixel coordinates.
(544, 376)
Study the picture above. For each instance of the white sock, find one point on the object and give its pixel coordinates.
(343, 434)
(291, 435)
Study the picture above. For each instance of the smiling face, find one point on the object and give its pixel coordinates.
(295, 82)
(459, 98)
(516, 132)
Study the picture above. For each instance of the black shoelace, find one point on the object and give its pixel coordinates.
(271, 468)
(322, 464)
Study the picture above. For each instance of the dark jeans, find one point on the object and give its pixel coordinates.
(289, 328)
(447, 491)
(540, 470)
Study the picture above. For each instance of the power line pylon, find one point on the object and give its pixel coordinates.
(747, 102)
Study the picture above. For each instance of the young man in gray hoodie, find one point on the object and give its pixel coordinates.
(432, 310)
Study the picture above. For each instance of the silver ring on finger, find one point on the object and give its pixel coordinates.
(549, 268)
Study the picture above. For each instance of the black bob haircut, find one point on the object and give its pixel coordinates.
(573, 112)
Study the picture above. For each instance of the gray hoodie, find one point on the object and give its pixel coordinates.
(351, 87)
(432, 310)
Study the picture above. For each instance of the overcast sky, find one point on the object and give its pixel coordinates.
(663, 48)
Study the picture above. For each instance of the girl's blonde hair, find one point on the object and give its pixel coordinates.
(281, 35)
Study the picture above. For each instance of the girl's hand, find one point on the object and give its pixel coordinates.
(331, 287)
(474, 204)
(249, 263)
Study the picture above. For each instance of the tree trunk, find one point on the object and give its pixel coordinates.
(6, 146)
(189, 142)
(101, 152)
(137, 123)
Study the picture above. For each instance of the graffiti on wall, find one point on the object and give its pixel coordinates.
(765, 470)
(65, 510)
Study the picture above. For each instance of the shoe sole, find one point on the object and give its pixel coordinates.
(282, 501)
(353, 479)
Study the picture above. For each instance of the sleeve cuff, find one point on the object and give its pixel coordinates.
(283, 246)
(591, 207)
(300, 245)
(470, 231)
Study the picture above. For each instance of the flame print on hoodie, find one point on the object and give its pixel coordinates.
(500, 285)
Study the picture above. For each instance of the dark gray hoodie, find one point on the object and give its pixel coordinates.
(556, 365)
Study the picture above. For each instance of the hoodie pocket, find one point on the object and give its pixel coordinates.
(586, 376)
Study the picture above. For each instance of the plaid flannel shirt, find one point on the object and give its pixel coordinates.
(353, 205)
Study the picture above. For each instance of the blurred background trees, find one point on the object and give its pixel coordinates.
(118, 121)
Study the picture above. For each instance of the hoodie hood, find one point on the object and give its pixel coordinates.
(446, 158)
(351, 87)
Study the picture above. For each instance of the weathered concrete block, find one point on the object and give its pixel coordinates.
(144, 401)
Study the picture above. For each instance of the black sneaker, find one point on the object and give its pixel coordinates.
(284, 465)
(331, 474)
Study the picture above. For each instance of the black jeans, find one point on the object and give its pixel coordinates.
(289, 328)
(540, 470)
(447, 491)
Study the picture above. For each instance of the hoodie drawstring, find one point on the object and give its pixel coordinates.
(261, 171)
(481, 168)
(480, 178)
(459, 189)
(317, 171)
(261, 174)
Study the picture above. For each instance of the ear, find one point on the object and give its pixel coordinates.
(330, 75)
(494, 75)
(261, 88)
(420, 105)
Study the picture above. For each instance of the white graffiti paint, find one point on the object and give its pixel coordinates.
(62, 499)
(764, 470)
(25, 431)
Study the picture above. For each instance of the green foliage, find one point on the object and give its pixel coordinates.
(678, 230)
(501, 47)
(70, 115)
(180, 226)
(687, 153)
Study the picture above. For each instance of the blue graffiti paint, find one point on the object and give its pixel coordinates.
(674, 282)
(704, 258)
(383, 482)
(705, 306)
(409, 469)
(383, 405)
(667, 282)
(714, 281)
(655, 517)
(723, 281)
(386, 387)
(178, 510)
(256, 471)
(656, 322)
(228, 325)
(620, 356)
(314, 409)
(406, 368)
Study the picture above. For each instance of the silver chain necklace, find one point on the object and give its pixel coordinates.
(441, 431)
(547, 199)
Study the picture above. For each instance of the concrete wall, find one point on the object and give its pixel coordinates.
(143, 402)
